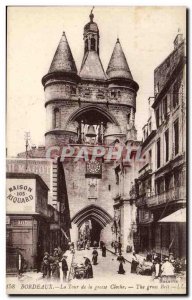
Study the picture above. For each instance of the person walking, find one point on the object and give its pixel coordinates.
(95, 255)
(64, 267)
(103, 250)
(56, 270)
(134, 263)
(46, 269)
(88, 268)
(121, 260)
(95, 244)
(119, 247)
(167, 268)
(116, 246)
(88, 244)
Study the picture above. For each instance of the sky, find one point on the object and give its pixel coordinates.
(33, 33)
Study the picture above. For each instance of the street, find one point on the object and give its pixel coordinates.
(106, 267)
(105, 280)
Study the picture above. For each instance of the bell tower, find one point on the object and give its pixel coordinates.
(91, 35)
(91, 110)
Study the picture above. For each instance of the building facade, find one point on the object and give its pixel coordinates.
(161, 185)
(27, 216)
(91, 111)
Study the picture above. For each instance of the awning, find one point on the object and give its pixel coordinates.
(176, 217)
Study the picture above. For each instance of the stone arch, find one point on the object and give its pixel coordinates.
(92, 211)
(92, 107)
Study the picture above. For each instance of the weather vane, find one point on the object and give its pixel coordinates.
(91, 14)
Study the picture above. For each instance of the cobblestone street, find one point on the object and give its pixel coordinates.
(105, 279)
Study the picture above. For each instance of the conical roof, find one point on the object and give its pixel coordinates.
(63, 59)
(118, 66)
(92, 67)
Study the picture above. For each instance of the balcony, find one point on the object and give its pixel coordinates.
(141, 201)
(145, 171)
(174, 194)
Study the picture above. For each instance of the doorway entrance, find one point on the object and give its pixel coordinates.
(92, 222)
(90, 230)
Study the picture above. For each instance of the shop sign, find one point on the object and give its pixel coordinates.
(21, 222)
(20, 195)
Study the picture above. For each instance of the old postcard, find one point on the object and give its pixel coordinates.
(96, 150)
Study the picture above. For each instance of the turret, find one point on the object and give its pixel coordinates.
(122, 88)
(60, 85)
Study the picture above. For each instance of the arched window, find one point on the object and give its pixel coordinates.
(92, 44)
(56, 120)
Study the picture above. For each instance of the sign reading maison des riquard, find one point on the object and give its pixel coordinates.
(20, 196)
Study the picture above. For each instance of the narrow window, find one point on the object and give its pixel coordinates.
(109, 187)
(92, 44)
(86, 45)
(176, 94)
(167, 145)
(150, 157)
(157, 117)
(56, 118)
(165, 107)
(176, 136)
(158, 153)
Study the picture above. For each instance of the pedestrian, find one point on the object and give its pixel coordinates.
(64, 267)
(119, 246)
(84, 243)
(19, 262)
(171, 256)
(157, 267)
(88, 268)
(116, 246)
(149, 256)
(95, 255)
(121, 260)
(134, 263)
(88, 244)
(56, 253)
(46, 269)
(56, 270)
(167, 268)
(101, 244)
(103, 250)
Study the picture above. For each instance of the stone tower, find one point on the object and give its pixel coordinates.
(90, 108)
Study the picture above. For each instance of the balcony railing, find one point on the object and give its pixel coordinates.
(147, 169)
(173, 194)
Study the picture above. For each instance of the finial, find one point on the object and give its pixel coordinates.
(117, 40)
(179, 30)
(91, 16)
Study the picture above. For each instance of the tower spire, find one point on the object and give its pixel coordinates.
(118, 66)
(91, 16)
(63, 60)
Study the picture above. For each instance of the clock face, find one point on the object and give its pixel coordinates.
(93, 167)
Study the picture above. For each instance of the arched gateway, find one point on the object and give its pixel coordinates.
(92, 222)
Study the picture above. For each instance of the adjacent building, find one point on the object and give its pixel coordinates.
(27, 220)
(161, 185)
